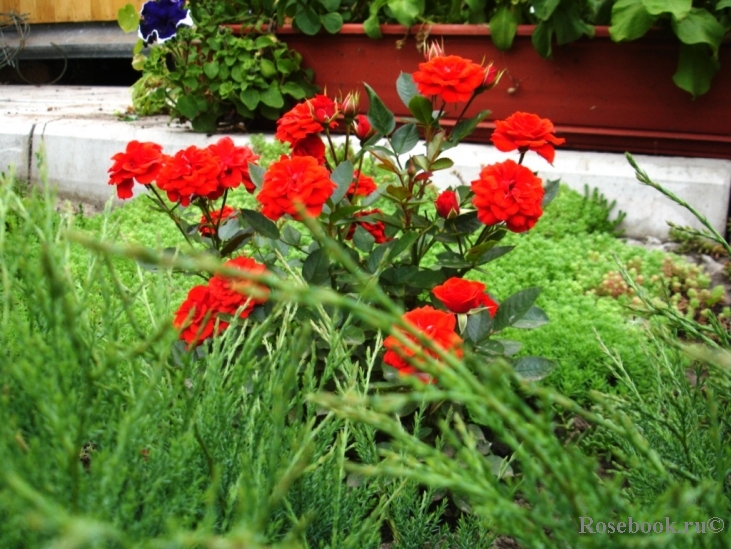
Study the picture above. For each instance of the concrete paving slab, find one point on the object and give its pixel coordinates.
(80, 129)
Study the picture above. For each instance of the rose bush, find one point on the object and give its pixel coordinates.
(417, 249)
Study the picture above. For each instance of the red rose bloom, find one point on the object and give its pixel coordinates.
(140, 161)
(191, 172)
(436, 325)
(447, 204)
(461, 296)
(508, 192)
(451, 77)
(324, 110)
(524, 131)
(362, 186)
(292, 181)
(219, 217)
(230, 294)
(306, 119)
(196, 319)
(362, 127)
(235, 164)
(311, 145)
(376, 228)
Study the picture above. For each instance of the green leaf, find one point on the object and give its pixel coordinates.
(479, 326)
(533, 368)
(139, 46)
(363, 240)
(372, 27)
(332, 22)
(405, 138)
(187, 106)
(630, 20)
(534, 318)
(442, 164)
(267, 68)
(699, 27)
(515, 307)
(211, 69)
(464, 128)
(466, 223)
(293, 90)
(503, 26)
(402, 243)
(342, 176)
(291, 236)
(256, 173)
(206, 122)
(128, 18)
(250, 98)
(262, 225)
(272, 97)
(406, 88)
(420, 108)
(229, 229)
(544, 8)
(550, 189)
(307, 20)
(696, 69)
(723, 4)
(406, 11)
(382, 119)
(265, 41)
(315, 268)
(678, 8)
(569, 25)
(541, 38)
(492, 254)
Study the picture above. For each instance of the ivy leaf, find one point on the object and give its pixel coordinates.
(514, 308)
(404, 139)
(678, 8)
(569, 25)
(332, 22)
(272, 96)
(533, 368)
(128, 18)
(406, 88)
(187, 106)
(696, 69)
(372, 27)
(544, 8)
(262, 225)
(382, 119)
(406, 11)
(292, 89)
(306, 19)
(342, 176)
(211, 69)
(699, 27)
(630, 20)
(503, 26)
(541, 38)
(315, 268)
(250, 98)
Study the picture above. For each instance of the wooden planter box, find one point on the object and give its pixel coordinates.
(601, 95)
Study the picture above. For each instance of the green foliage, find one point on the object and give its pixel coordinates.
(217, 78)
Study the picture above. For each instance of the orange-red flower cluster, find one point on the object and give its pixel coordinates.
(508, 192)
(140, 162)
(526, 132)
(451, 77)
(461, 296)
(189, 173)
(362, 186)
(307, 118)
(437, 326)
(199, 314)
(376, 228)
(218, 218)
(293, 183)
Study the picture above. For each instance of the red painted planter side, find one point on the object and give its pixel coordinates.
(601, 95)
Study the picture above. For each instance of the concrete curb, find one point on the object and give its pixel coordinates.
(79, 130)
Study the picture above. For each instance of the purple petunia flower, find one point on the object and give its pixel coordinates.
(161, 19)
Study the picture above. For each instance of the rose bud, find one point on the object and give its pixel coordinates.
(434, 50)
(491, 76)
(350, 104)
(447, 205)
(362, 127)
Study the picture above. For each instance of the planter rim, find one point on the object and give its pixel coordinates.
(437, 29)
